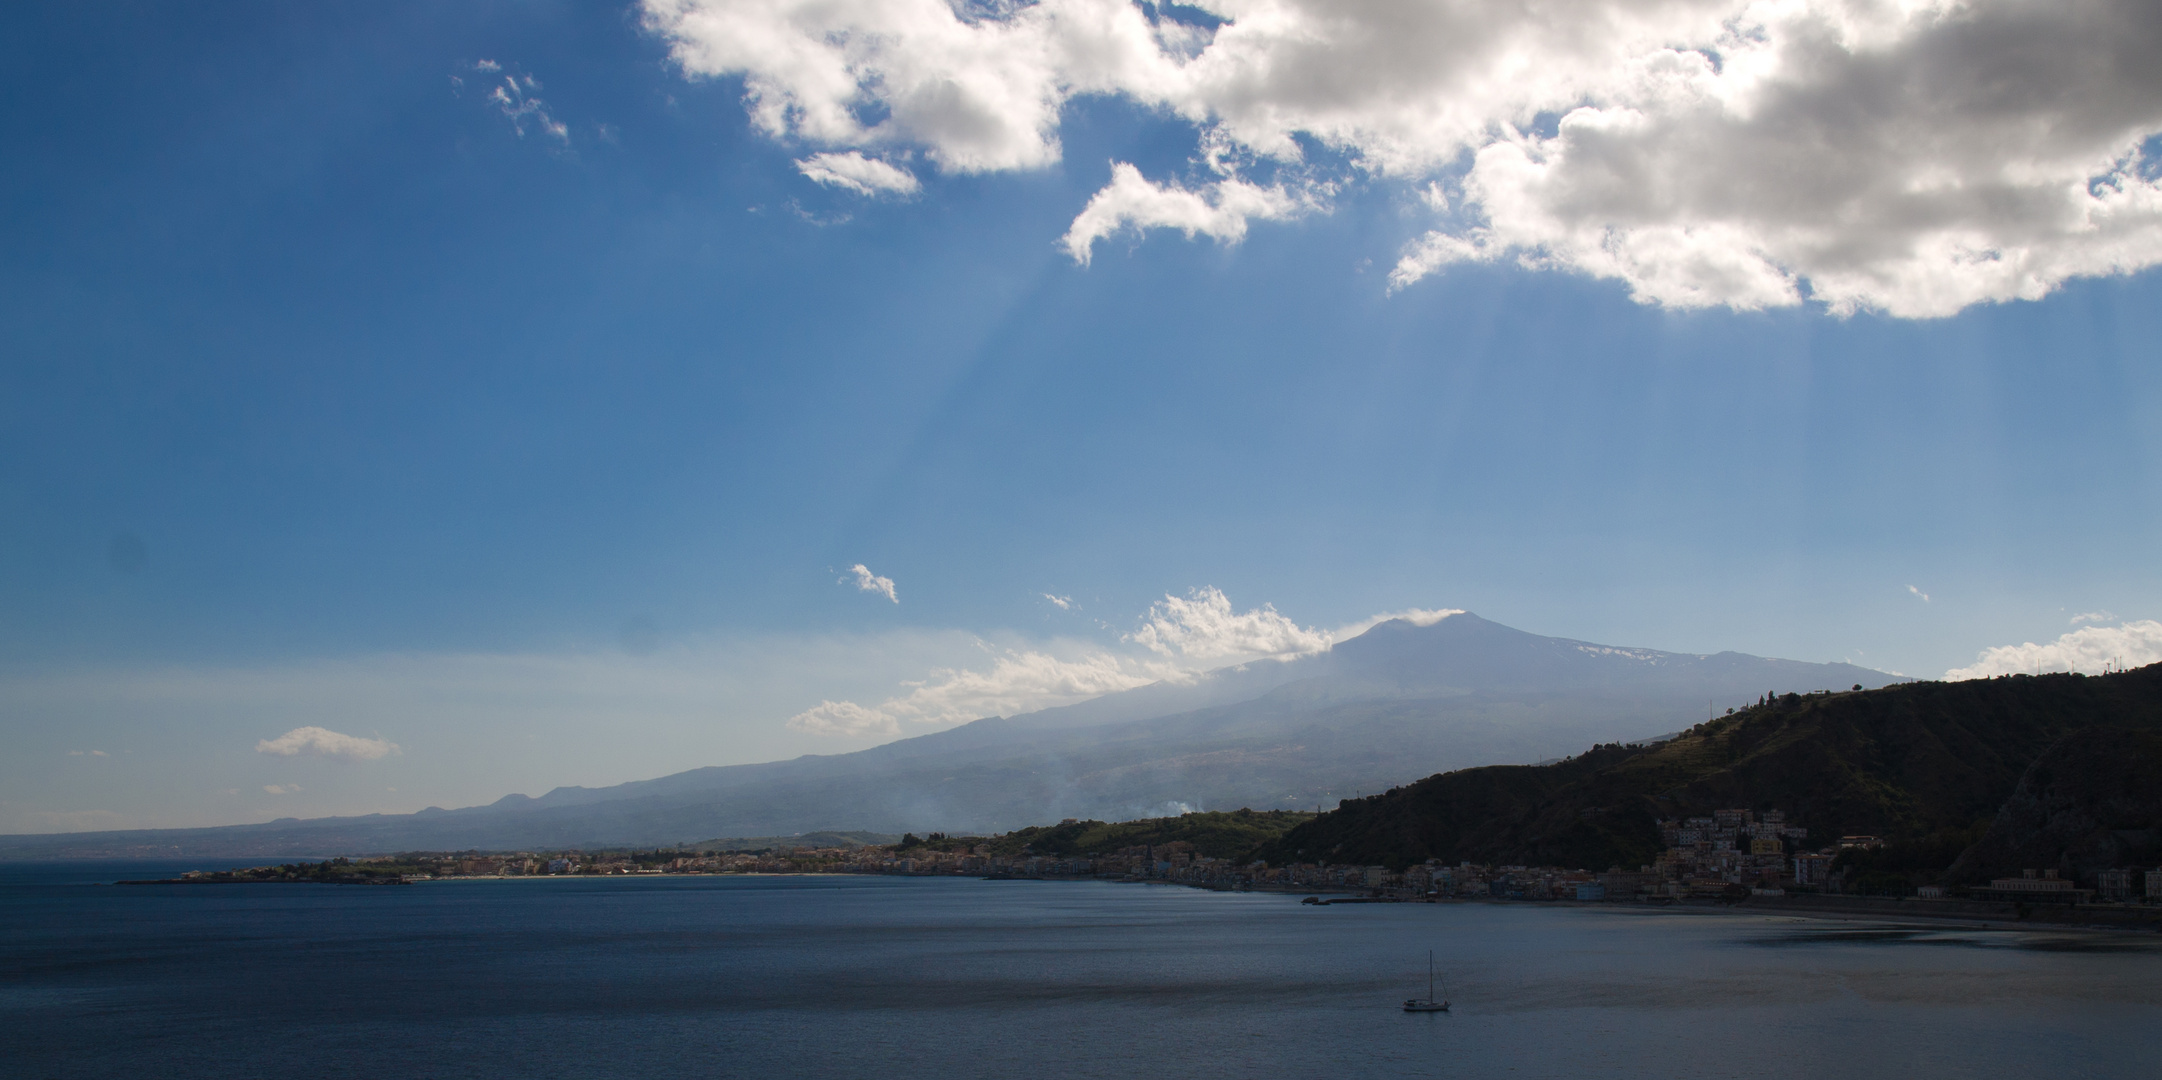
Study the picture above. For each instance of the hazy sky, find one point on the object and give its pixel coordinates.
(406, 404)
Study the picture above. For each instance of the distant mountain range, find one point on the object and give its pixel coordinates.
(1400, 702)
(1967, 781)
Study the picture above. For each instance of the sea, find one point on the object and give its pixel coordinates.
(946, 978)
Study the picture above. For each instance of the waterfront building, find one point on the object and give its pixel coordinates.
(2028, 881)
(2043, 885)
(1812, 868)
(1623, 884)
(2113, 885)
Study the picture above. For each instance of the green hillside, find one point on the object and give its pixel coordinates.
(1221, 834)
(1925, 765)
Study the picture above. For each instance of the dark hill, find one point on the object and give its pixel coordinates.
(2093, 800)
(1218, 834)
(1925, 765)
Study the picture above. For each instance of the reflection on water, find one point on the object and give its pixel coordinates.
(2035, 940)
(960, 978)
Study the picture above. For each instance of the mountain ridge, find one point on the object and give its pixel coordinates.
(1398, 702)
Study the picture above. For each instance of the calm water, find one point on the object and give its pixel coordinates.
(960, 978)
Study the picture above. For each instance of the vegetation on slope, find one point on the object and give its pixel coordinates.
(1217, 834)
(1924, 765)
(327, 872)
(2094, 800)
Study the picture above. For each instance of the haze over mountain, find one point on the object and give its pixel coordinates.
(1400, 702)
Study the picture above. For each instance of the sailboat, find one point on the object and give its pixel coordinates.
(1429, 1003)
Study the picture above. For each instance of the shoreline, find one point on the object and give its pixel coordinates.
(1865, 910)
(2105, 920)
(1992, 915)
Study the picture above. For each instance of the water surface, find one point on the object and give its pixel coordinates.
(943, 978)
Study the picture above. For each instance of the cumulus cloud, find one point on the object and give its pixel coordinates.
(860, 174)
(1178, 638)
(323, 742)
(2091, 649)
(1911, 156)
(1220, 210)
(281, 789)
(2093, 616)
(1202, 626)
(1918, 592)
(1063, 603)
(1018, 681)
(867, 581)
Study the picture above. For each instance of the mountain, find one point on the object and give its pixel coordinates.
(2042, 771)
(1396, 703)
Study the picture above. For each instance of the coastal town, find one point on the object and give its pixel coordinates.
(1730, 855)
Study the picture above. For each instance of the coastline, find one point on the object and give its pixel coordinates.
(1978, 915)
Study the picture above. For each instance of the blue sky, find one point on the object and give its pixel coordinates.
(335, 393)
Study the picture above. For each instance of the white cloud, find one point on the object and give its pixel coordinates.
(1202, 626)
(1180, 637)
(514, 97)
(1414, 616)
(1918, 592)
(1913, 156)
(978, 95)
(2093, 616)
(845, 718)
(1063, 603)
(323, 742)
(862, 175)
(872, 583)
(282, 789)
(2091, 649)
(487, 66)
(1018, 681)
(1220, 210)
